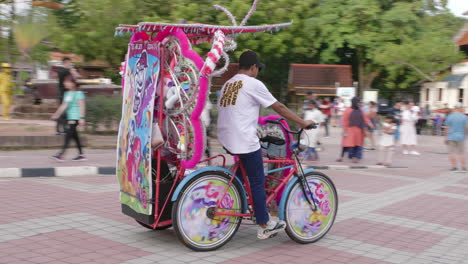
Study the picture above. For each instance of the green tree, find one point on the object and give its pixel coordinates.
(69, 16)
(92, 35)
(277, 50)
(385, 37)
(385, 40)
(428, 52)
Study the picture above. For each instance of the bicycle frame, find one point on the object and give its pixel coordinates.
(288, 164)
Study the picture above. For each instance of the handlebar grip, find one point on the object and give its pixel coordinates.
(311, 126)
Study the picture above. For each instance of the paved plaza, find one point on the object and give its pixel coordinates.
(417, 213)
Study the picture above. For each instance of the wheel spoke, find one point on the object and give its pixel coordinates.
(304, 224)
(196, 224)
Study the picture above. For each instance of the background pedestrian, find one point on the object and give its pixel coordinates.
(457, 125)
(74, 107)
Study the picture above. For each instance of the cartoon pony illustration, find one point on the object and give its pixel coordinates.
(133, 162)
(143, 85)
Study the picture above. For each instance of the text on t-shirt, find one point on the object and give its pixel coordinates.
(231, 91)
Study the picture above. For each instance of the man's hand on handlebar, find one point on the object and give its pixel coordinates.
(304, 125)
(308, 124)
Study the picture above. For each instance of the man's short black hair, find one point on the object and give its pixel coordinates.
(248, 59)
(66, 59)
(372, 103)
(310, 92)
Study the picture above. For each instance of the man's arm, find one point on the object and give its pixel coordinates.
(285, 112)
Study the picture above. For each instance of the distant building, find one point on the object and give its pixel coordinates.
(454, 88)
(323, 79)
(320, 78)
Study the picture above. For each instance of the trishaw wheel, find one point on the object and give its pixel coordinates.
(303, 225)
(157, 228)
(192, 213)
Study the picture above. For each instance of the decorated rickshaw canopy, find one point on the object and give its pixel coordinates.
(197, 31)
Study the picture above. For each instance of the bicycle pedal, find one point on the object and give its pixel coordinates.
(272, 236)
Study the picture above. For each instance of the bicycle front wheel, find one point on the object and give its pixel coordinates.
(303, 225)
(192, 214)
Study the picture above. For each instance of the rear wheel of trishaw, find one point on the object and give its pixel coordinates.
(303, 225)
(192, 213)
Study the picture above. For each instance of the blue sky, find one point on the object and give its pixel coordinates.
(458, 6)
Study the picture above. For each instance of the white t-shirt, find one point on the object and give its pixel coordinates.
(340, 107)
(387, 140)
(238, 111)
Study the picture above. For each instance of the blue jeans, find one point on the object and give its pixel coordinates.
(396, 135)
(355, 152)
(311, 153)
(253, 165)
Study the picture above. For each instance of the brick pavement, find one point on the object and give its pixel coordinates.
(412, 215)
(384, 217)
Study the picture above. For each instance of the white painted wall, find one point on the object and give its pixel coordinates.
(449, 95)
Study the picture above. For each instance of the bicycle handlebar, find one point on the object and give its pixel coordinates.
(295, 132)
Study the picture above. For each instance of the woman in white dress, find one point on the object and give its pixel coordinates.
(408, 138)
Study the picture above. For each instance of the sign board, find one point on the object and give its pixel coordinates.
(370, 96)
(346, 93)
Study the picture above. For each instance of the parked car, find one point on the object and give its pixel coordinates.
(383, 106)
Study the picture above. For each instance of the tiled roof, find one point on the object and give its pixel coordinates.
(461, 38)
(218, 82)
(319, 76)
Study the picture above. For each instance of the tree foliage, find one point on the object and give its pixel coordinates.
(384, 40)
(395, 42)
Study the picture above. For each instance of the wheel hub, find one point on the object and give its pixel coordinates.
(210, 212)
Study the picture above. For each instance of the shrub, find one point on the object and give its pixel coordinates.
(103, 113)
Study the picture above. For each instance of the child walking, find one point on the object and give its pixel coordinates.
(387, 141)
(311, 135)
(74, 105)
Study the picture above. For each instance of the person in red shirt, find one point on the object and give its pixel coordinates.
(326, 107)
